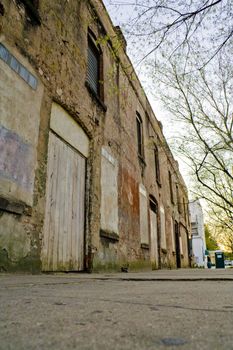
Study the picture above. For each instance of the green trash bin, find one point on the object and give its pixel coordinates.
(219, 260)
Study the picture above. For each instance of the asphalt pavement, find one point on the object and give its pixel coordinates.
(176, 309)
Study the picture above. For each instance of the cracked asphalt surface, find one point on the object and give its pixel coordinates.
(185, 309)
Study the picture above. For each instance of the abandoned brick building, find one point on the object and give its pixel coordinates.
(87, 181)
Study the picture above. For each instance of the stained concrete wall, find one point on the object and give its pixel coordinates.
(56, 52)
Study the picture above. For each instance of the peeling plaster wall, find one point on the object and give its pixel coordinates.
(19, 129)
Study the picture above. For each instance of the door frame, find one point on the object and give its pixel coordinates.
(46, 235)
(153, 205)
(177, 245)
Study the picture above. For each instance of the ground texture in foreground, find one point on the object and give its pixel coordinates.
(186, 309)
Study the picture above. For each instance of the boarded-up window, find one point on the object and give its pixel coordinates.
(109, 193)
(163, 230)
(143, 215)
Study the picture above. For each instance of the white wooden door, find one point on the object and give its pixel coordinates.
(63, 245)
(154, 238)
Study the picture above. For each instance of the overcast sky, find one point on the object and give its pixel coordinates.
(120, 15)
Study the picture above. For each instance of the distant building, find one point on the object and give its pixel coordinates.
(198, 233)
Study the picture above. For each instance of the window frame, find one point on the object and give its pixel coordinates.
(184, 208)
(140, 141)
(170, 186)
(178, 201)
(157, 165)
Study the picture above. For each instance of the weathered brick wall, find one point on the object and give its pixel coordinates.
(56, 51)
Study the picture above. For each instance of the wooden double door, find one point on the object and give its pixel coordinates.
(63, 240)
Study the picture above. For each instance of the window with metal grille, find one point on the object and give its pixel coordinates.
(139, 135)
(93, 66)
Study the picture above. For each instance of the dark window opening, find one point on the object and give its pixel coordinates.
(170, 186)
(178, 199)
(2, 10)
(177, 244)
(95, 68)
(139, 135)
(184, 208)
(31, 7)
(153, 204)
(157, 166)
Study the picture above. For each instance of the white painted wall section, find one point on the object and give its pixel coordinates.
(67, 128)
(198, 234)
(198, 251)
